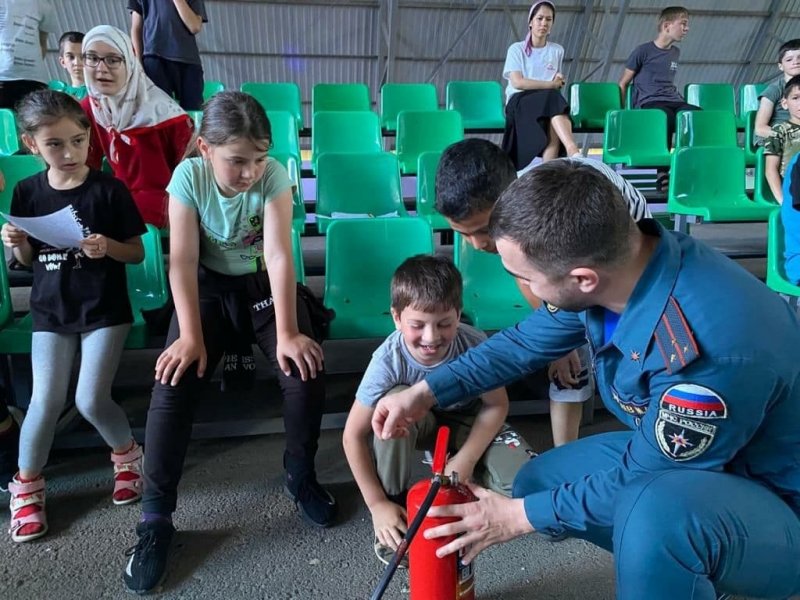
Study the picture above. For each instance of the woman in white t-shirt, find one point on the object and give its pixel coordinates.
(537, 115)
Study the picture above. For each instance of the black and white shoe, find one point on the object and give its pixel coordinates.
(316, 504)
(147, 564)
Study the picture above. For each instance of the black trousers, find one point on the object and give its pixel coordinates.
(671, 109)
(182, 80)
(169, 420)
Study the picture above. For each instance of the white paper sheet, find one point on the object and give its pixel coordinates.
(59, 229)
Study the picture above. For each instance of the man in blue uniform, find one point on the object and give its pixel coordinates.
(691, 352)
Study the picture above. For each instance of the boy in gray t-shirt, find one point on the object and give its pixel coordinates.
(426, 306)
(770, 108)
(652, 67)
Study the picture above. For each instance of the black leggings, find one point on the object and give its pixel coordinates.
(169, 420)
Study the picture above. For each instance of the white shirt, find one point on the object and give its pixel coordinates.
(542, 64)
(21, 22)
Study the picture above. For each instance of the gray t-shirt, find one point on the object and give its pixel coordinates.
(774, 93)
(655, 74)
(21, 22)
(165, 35)
(393, 365)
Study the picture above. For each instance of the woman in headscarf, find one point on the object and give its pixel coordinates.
(537, 115)
(141, 130)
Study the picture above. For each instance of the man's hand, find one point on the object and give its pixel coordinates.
(395, 412)
(491, 520)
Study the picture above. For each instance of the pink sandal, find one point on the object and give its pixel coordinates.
(127, 476)
(24, 495)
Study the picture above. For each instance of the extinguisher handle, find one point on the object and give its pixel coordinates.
(398, 555)
(440, 450)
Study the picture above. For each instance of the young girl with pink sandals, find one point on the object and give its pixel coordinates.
(79, 301)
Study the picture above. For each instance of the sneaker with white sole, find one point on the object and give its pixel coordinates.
(147, 564)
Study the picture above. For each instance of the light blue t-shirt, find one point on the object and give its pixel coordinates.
(393, 365)
(231, 229)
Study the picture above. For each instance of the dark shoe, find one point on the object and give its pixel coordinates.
(317, 506)
(148, 558)
(9, 454)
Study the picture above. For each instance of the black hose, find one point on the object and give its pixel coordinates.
(390, 569)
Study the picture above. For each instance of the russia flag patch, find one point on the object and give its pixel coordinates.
(695, 401)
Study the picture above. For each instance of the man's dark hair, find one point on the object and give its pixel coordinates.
(793, 83)
(69, 37)
(426, 283)
(564, 215)
(670, 14)
(788, 47)
(471, 176)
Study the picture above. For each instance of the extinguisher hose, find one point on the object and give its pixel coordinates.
(390, 569)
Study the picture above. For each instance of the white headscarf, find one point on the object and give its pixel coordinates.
(140, 103)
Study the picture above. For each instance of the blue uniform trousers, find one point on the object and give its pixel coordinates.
(681, 533)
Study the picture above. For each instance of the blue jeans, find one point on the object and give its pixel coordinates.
(681, 533)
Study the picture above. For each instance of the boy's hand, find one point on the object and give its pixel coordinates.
(389, 523)
(301, 350)
(95, 246)
(13, 237)
(460, 465)
(565, 370)
(178, 357)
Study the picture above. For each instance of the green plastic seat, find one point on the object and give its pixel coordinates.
(361, 256)
(297, 257)
(492, 299)
(147, 287)
(292, 164)
(212, 87)
(479, 102)
(340, 96)
(16, 168)
(713, 96)
(748, 97)
(762, 193)
(629, 97)
(709, 182)
(9, 139)
(750, 146)
(426, 190)
(636, 138)
(197, 118)
(396, 97)
(425, 131)
(705, 128)
(277, 96)
(57, 85)
(345, 132)
(357, 186)
(776, 274)
(590, 101)
(284, 132)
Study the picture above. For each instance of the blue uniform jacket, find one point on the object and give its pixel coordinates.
(703, 366)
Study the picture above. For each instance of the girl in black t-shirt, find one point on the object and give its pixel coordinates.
(79, 301)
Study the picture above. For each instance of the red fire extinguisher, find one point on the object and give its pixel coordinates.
(434, 578)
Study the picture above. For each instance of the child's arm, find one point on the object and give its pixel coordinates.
(136, 34)
(763, 116)
(523, 83)
(130, 251)
(293, 346)
(17, 240)
(388, 518)
(773, 175)
(184, 257)
(488, 422)
(624, 82)
(193, 21)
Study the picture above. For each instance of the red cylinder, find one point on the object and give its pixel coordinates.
(433, 578)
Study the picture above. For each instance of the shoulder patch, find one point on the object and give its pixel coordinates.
(674, 338)
(694, 401)
(683, 439)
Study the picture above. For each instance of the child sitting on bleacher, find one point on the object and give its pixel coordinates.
(784, 142)
(770, 109)
(69, 57)
(231, 273)
(426, 307)
(79, 301)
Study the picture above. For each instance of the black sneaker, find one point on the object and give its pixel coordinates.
(316, 504)
(148, 558)
(9, 454)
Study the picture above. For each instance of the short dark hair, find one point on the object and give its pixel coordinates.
(670, 14)
(427, 283)
(471, 176)
(69, 37)
(563, 215)
(793, 83)
(788, 47)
